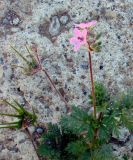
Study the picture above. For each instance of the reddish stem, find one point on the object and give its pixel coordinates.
(32, 141)
(92, 84)
(52, 83)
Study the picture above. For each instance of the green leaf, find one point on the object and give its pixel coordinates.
(77, 148)
(22, 114)
(20, 55)
(48, 152)
(17, 109)
(21, 109)
(127, 119)
(103, 153)
(78, 121)
(10, 115)
(102, 97)
(98, 36)
(14, 126)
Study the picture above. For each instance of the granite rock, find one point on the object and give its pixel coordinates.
(54, 27)
(44, 24)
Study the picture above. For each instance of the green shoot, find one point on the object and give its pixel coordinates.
(25, 118)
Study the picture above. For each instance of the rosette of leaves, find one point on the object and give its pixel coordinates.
(24, 118)
(79, 136)
(72, 139)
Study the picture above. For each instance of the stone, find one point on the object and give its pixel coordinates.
(54, 27)
(11, 18)
(39, 130)
(64, 19)
(16, 21)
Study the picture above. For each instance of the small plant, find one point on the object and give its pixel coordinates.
(79, 136)
(24, 118)
(86, 135)
(55, 141)
(33, 65)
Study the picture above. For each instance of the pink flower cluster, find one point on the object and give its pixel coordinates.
(80, 34)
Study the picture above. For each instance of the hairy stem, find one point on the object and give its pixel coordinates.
(60, 95)
(92, 85)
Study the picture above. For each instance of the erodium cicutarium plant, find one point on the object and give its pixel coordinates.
(80, 134)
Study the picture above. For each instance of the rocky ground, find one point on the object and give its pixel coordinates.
(46, 25)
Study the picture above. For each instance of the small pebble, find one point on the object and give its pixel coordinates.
(11, 18)
(39, 130)
(64, 19)
(16, 21)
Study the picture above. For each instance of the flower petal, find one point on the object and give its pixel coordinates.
(77, 32)
(76, 43)
(73, 40)
(84, 33)
(84, 36)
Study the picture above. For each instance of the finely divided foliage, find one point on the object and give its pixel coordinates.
(83, 142)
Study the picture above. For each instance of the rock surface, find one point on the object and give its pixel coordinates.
(54, 27)
(64, 19)
(42, 25)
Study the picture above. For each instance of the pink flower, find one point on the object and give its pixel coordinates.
(86, 25)
(79, 38)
